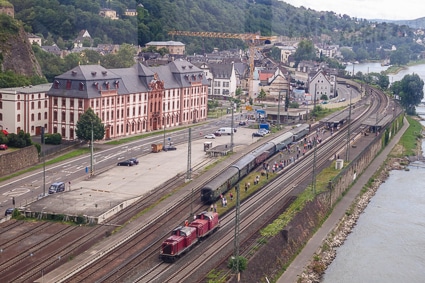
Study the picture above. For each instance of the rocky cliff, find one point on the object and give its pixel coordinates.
(15, 50)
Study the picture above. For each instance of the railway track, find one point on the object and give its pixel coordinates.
(262, 204)
(143, 255)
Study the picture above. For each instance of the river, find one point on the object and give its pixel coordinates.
(388, 242)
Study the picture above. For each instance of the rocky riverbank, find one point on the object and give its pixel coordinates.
(326, 254)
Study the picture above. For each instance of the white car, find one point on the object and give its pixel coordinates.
(209, 136)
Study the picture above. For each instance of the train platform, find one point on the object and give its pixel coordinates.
(105, 194)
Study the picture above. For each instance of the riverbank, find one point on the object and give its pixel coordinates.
(327, 252)
(393, 70)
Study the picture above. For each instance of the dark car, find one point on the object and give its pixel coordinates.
(125, 163)
(169, 147)
(57, 187)
(217, 134)
(9, 211)
(134, 160)
(242, 123)
(258, 134)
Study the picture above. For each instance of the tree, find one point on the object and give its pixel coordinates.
(400, 56)
(85, 124)
(261, 95)
(410, 91)
(305, 51)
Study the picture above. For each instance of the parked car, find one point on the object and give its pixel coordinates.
(209, 136)
(217, 134)
(264, 131)
(258, 134)
(169, 147)
(9, 211)
(125, 163)
(242, 123)
(57, 187)
(3, 146)
(134, 160)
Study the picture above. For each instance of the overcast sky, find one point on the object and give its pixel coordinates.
(368, 9)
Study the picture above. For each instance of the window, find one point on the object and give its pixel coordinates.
(55, 116)
(1, 104)
(63, 102)
(81, 86)
(39, 105)
(80, 103)
(18, 106)
(71, 117)
(1, 116)
(68, 84)
(55, 102)
(32, 105)
(18, 117)
(39, 116)
(63, 116)
(56, 84)
(45, 103)
(71, 103)
(45, 115)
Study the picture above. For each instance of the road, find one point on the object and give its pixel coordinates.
(27, 187)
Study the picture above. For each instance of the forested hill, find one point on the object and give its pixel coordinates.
(63, 19)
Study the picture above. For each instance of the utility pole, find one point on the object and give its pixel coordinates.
(278, 112)
(189, 156)
(236, 242)
(44, 161)
(347, 152)
(232, 128)
(163, 125)
(314, 167)
(91, 150)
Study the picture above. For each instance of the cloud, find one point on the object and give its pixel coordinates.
(367, 9)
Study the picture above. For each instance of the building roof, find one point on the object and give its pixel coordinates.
(27, 89)
(165, 43)
(87, 81)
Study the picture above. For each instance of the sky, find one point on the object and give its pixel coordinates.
(367, 9)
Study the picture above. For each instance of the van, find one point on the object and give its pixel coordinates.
(226, 131)
(57, 187)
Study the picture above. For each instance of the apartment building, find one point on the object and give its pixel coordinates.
(24, 108)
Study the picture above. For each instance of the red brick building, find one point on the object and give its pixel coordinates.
(128, 100)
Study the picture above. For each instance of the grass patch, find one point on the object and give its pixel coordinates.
(411, 138)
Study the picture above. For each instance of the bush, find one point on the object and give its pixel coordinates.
(242, 263)
(53, 138)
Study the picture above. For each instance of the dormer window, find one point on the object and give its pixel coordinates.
(107, 85)
(74, 73)
(81, 86)
(56, 84)
(68, 84)
(104, 73)
(96, 85)
(117, 84)
(93, 74)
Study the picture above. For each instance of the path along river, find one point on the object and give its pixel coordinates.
(388, 242)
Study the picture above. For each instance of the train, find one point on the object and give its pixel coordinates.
(184, 238)
(218, 186)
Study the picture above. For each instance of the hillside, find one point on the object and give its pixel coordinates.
(16, 54)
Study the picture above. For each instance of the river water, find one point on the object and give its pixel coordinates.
(388, 242)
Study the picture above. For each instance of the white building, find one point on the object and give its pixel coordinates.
(24, 108)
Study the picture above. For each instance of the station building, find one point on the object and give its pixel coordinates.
(128, 100)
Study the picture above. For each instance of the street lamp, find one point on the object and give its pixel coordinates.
(91, 151)
(163, 125)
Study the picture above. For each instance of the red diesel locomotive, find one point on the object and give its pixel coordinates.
(183, 238)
